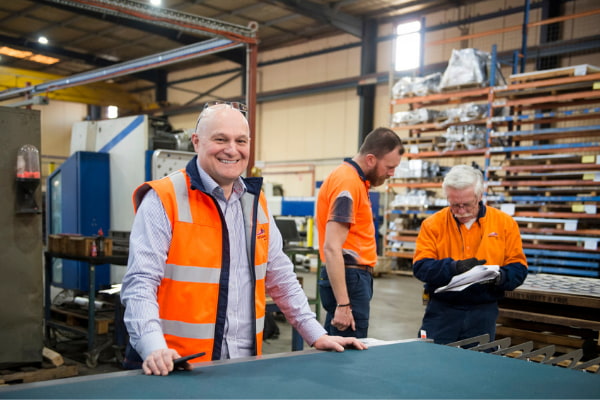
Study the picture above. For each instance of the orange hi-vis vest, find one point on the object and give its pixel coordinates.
(192, 296)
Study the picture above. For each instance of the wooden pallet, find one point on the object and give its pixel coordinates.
(564, 341)
(577, 70)
(547, 310)
(465, 86)
(545, 208)
(408, 254)
(79, 318)
(560, 242)
(32, 374)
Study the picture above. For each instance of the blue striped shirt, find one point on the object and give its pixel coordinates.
(149, 245)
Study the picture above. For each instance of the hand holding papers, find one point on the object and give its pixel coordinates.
(479, 273)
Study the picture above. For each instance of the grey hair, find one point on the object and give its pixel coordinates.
(462, 177)
(202, 116)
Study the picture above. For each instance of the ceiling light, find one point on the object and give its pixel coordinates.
(155, 3)
(43, 40)
(28, 55)
(39, 58)
(14, 52)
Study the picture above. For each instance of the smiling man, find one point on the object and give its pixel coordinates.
(204, 252)
(454, 240)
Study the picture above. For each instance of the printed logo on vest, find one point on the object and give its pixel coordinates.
(260, 233)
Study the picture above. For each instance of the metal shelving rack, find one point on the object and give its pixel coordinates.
(423, 143)
(551, 170)
(541, 163)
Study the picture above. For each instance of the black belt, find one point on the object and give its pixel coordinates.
(363, 267)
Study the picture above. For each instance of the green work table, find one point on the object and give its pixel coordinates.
(411, 369)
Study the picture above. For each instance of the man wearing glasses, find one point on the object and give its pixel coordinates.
(204, 252)
(457, 238)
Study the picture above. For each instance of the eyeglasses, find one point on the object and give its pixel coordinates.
(236, 105)
(465, 206)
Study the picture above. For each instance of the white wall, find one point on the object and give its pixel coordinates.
(57, 118)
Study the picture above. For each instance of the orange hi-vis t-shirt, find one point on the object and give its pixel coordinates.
(344, 197)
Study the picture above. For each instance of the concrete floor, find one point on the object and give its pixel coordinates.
(396, 310)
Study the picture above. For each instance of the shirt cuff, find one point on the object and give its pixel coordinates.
(150, 342)
(311, 330)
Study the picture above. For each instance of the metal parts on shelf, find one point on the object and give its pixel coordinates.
(538, 148)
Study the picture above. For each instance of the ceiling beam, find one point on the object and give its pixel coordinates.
(169, 33)
(185, 22)
(98, 93)
(328, 15)
(176, 35)
(126, 68)
(54, 51)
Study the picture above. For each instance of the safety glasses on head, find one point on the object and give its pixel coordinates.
(236, 105)
(241, 107)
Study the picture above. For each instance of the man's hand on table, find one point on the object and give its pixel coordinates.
(338, 343)
(160, 362)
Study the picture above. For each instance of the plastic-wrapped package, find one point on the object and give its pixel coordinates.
(402, 88)
(427, 85)
(466, 67)
(416, 86)
(412, 117)
(413, 198)
(469, 136)
(464, 113)
(471, 111)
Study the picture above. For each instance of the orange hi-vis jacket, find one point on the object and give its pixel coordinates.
(442, 241)
(192, 296)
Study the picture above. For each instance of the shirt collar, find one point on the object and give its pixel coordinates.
(360, 172)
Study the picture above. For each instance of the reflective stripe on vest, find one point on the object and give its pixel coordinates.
(184, 214)
(194, 267)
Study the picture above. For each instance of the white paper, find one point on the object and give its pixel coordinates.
(479, 273)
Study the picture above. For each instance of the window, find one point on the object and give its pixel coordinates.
(408, 46)
(112, 112)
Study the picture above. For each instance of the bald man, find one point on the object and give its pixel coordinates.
(204, 252)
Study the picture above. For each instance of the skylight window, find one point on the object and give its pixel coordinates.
(408, 46)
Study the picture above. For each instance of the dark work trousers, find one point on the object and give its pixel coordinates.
(446, 323)
(359, 284)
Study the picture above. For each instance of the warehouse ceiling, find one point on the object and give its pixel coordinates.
(82, 37)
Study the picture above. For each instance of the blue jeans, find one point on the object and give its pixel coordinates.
(359, 284)
(446, 323)
(132, 359)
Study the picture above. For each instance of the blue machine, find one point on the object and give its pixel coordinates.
(78, 202)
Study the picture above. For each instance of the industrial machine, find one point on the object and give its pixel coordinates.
(21, 286)
(140, 148)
